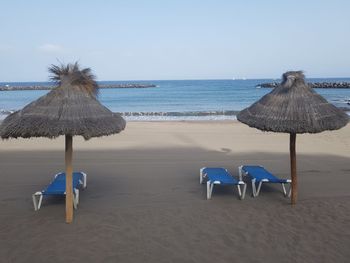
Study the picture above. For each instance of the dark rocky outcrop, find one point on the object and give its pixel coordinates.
(315, 85)
(101, 86)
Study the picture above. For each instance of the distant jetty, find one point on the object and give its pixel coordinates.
(315, 85)
(101, 86)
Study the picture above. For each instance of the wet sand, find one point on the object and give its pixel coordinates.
(144, 202)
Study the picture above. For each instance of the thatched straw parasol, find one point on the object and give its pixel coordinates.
(69, 109)
(293, 107)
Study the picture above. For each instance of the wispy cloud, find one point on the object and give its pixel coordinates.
(51, 48)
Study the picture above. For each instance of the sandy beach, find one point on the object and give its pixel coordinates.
(144, 202)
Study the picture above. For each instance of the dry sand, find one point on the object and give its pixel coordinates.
(144, 202)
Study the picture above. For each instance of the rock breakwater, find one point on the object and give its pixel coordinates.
(315, 85)
(102, 86)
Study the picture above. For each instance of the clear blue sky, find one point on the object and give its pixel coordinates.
(182, 39)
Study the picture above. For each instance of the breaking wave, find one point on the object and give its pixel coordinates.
(6, 112)
(186, 115)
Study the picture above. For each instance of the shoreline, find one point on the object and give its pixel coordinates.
(204, 134)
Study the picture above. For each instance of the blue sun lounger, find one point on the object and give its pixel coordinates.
(260, 175)
(220, 176)
(58, 187)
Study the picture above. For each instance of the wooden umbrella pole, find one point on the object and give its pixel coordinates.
(293, 168)
(69, 179)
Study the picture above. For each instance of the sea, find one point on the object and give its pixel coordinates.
(175, 100)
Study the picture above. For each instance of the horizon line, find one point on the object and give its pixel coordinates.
(189, 79)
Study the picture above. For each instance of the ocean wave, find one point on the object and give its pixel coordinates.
(166, 116)
(6, 112)
(181, 113)
(180, 116)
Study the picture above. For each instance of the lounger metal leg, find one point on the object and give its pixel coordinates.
(253, 188)
(37, 203)
(76, 198)
(84, 179)
(244, 190)
(242, 193)
(239, 190)
(284, 190)
(210, 187)
(259, 187)
(208, 190)
(290, 190)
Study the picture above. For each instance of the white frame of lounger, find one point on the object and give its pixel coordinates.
(257, 191)
(38, 196)
(210, 185)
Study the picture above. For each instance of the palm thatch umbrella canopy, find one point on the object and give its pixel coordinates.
(293, 107)
(69, 109)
